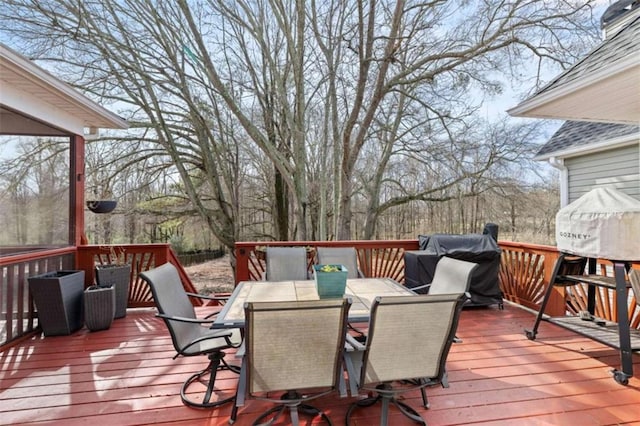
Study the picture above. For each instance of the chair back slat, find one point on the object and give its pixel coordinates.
(286, 264)
(346, 256)
(410, 337)
(295, 345)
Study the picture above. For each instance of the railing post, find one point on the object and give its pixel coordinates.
(84, 261)
(242, 264)
(556, 305)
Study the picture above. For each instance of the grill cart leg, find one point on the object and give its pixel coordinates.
(565, 265)
(622, 377)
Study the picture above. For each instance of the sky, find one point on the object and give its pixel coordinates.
(492, 109)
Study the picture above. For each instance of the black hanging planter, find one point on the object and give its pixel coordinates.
(102, 206)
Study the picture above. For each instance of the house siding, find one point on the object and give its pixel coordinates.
(619, 167)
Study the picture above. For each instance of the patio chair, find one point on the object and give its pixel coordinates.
(346, 256)
(450, 276)
(189, 335)
(286, 264)
(398, 356)
(291, 347)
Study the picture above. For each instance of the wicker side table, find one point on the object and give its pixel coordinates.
(99, 307)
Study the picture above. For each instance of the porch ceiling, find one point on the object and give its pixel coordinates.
(35, 95)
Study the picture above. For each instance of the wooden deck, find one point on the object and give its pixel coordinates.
(126, 376)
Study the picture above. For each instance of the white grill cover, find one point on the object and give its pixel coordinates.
(603, 223)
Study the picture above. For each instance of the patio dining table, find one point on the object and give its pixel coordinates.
(362, 292)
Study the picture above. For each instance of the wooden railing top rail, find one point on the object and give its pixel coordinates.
(537, 248)
(409, 244)
(35, 255)
(142, 257)
(376, 258)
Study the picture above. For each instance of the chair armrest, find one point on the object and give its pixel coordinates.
(420, 287)
(184, 319)
(241, 350)
(205, 296)
(351, 344)
(225, 334)
(353, 352)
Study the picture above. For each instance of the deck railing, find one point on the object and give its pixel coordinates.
(18, 316)
(141, 257)
(525, 272)
(17, 312)
(376, 258)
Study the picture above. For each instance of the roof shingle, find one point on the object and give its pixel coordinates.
(574, 134)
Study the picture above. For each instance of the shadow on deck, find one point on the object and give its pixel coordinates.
(126, 376)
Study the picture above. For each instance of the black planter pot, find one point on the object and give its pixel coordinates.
(118, 276)
(58, 299)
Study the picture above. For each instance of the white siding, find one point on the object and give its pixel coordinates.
(620, 167)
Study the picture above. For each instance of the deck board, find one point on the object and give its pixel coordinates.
(126, 376)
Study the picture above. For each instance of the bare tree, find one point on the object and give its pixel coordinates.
(434, 52)
(334, 95)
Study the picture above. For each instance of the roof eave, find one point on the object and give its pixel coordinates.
(103, 117)
(547, 96)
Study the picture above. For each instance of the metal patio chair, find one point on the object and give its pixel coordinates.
(450, 276)
(346, 256)
(292, 348)
(399, 356)
(286, 264)
(189, 334)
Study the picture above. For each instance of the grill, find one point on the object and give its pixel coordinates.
(602, 224)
